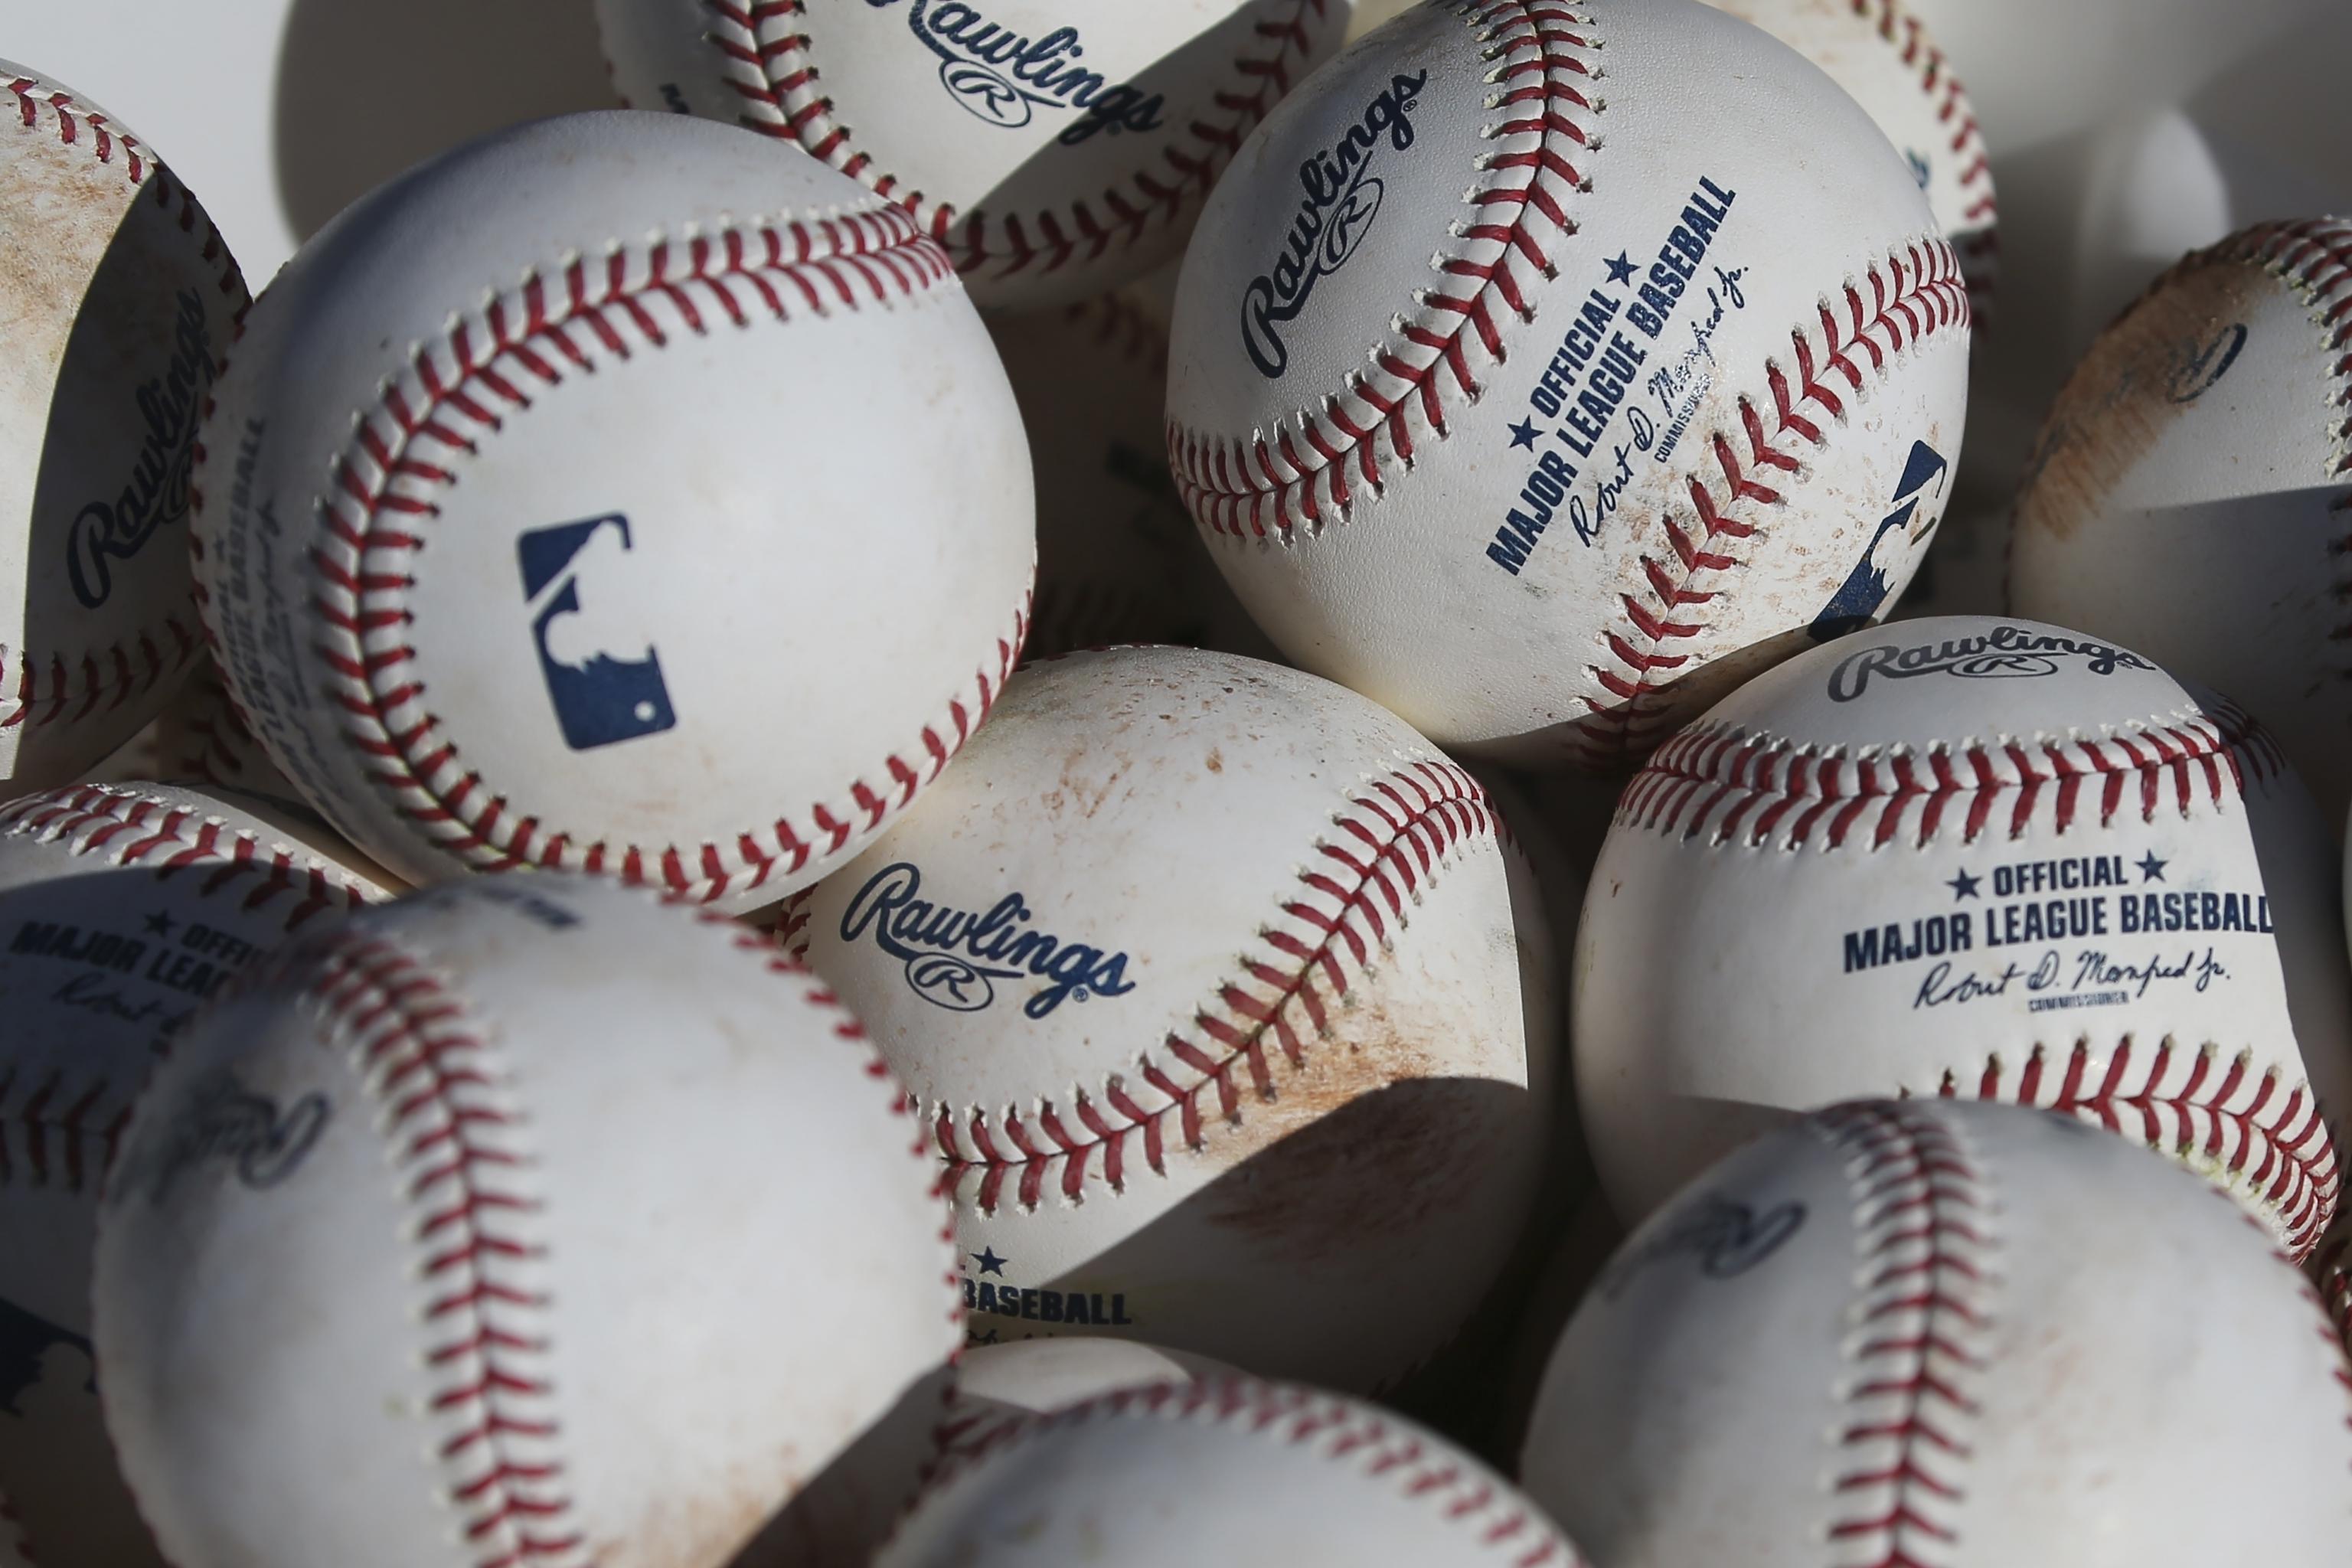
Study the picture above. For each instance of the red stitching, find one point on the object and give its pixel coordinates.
(1284, 482)
(1921, 1214)
(765, 59)
(1979, 254)
(2193, 1105)
(1719, 780)
(1397, 831)
(2331, 1266)
(459, 390)
(210, 742)
(47, 1126)
(462, 1164)
(1340, 1430)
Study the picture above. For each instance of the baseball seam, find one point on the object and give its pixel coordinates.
(1396, 832)
(2250, 1126)
(1281, 486)
(1708, 778)
(1979, 250)
(458, 392)
(462, 1168)
(766, 61)
(2331, 1266)
(116, 826)
(1918, 1345)
(42, 688)
(1339, 1432)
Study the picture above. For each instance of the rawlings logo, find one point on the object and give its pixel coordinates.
(227, 1121)
(157, 493)
(1342, 198)
(2003, 653)
(952, 955)
(1004, 79)
(1729, 1239)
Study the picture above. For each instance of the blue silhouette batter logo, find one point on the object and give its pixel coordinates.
(603, 674)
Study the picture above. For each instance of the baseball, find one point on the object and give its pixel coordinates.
(199, 738)
(116, 302)
(1206, 975)
(122, 908)
(561, 1159)
(1969, 1336)
(1008, 1382)
(580, 500)
(1976, 858)
(1222, 1471)
(1056, 148)
(1468, 284)
(1888, 61)
(2191, 494)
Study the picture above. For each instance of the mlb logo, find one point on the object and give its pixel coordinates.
(603, 673)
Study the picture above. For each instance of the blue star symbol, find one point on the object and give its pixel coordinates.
(1963, 887)
(2151, 869)
(988, 1260)
(160, 924)
(1621, 271)
(1523, 434)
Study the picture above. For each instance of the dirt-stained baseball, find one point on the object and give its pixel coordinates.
(1208, 976)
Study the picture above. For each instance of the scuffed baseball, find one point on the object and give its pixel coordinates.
(2191, 494)
(479, 1225)
(123, 907)
(1542, 370)
(117, 299)
(1989, 858)
(1222, 1471)
(1207, 976)
(1969, 1336)
(1056, 148)
(616, 493)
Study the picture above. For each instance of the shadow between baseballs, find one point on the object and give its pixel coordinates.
(1346, 1252)
(363, 93)
(105, 557)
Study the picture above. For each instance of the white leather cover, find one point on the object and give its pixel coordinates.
(1984, 858)
(1057, 148)
(123, 907)
(1207, 976)
(524, 1217)
(2191, 494)
(617, 493)
(1539, 370)
(1224, 1470)
(117, 299)
(1954, 1336)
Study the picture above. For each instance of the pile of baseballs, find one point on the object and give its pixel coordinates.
(1046, 781)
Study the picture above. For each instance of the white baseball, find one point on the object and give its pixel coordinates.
(1889, 62)
(1207, 976)
(1006, 1382)
(118, 302)
(1954, 1336)
(198, 737)
(1541, 370)
(1978, 857)
(2191, 491)
(121, 908)
(616, 493)
(479, 1228)
(1224, 1470)
(1056, 148)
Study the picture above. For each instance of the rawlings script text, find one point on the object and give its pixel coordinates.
(1341, 200)
(157, 491)
(1004, 78)
(951, 955)
(2002, 653)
